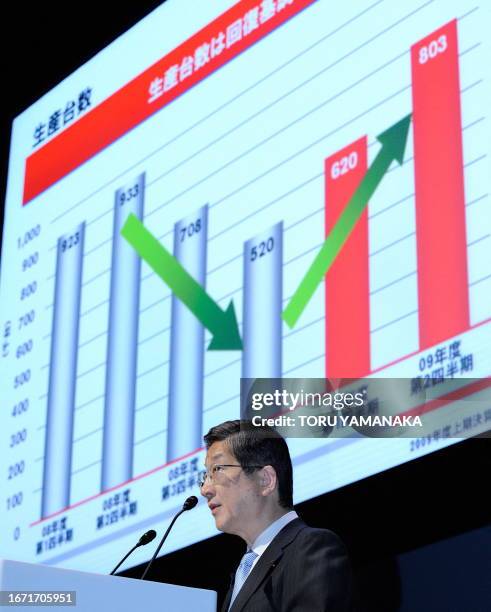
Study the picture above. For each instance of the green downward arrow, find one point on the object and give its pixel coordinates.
(222, 324)
(393, 143)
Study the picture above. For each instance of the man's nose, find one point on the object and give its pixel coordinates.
(207, 490)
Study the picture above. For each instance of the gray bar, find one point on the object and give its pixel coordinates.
(263, 288)
(124, 302)
(38, 598)
(63, 372)
(187, 343)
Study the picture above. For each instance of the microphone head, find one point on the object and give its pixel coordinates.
(190, 503)
(147, 537)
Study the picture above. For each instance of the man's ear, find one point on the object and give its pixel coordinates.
(268, 480)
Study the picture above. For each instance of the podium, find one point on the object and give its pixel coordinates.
(96, 592)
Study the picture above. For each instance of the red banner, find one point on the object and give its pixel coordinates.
(205, 52)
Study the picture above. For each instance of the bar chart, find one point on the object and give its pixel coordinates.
(241, 179)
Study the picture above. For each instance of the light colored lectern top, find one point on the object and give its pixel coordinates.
(96, 592)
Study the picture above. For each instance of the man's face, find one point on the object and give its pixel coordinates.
(233, 497)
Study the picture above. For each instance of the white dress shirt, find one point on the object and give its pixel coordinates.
(262, 542)
(265, 538)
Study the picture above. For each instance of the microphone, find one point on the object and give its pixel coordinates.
(145, 539)
(189, 504)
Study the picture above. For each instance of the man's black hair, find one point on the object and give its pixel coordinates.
(252, 445)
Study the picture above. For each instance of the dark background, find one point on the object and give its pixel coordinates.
(419, 535)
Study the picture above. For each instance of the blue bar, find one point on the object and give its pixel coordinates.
(62, 373)
(117, 454)
(184, 424)
(263, 288)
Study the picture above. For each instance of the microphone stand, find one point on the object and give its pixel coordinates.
(188, 505)
(124, 559)
(143, 541)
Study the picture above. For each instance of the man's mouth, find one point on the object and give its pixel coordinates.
(213, 507)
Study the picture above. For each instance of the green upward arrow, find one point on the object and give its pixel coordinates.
(222, 324)
(393, 143)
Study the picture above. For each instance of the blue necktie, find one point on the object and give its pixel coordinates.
(242, 573)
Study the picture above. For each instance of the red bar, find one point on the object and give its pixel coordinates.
(439, 180)
(347, 288)
(130, 105)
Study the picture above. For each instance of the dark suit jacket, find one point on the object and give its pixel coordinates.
(302, 570)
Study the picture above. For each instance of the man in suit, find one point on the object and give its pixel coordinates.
(288, 566)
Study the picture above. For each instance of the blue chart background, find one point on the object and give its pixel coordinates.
(277, 177)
